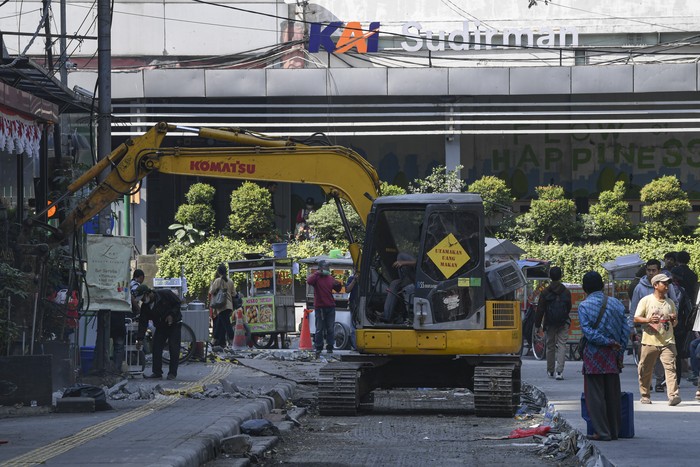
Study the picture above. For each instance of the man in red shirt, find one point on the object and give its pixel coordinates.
(324, 306)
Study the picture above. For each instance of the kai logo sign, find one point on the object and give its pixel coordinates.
(449, 256)
(352, 36)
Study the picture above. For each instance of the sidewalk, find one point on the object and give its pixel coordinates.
(167, 430)
(662, 433)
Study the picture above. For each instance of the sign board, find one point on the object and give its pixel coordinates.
(260, 313)
(107, 275)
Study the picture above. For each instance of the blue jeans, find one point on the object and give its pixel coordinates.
(325, 322)
(695, 356)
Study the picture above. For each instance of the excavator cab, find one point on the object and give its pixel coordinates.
(425, 263)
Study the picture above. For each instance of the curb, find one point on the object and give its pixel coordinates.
(205, 447)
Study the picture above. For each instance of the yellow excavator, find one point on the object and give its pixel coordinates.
(430, 311)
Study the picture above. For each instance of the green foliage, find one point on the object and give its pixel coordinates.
(665, 209)
(200, 261)
(609, 218)
(199, 216)
(325, 223)
(186, 233)
(200, 193)
(551, 217)
(576, 260)
(387, 189)
(498, 203)
(15, 286)
(495, 193)
(198, 211)
(252, 217)
(440, 180)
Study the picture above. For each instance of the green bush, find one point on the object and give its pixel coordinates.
(440, 180)
(325, 223)
(200, 193)
(252, 217)
(198, 211)
(609, 218)
(200, 261)
(576, 260)
(666, 205)
(15, 286)
(498, 203)
(200, 216)
(387, 189)
(551, 217)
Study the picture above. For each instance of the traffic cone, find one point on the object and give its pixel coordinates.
(305, 338)
(239, 340)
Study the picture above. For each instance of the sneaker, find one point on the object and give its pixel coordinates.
(550, 374)
(329, 351)
(697, 395)
(318, 354)
(660, 387)
(171, 377)
(559, 376)
(675, 401)
(645, 400)
(153, 376)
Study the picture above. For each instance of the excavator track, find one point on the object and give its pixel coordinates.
(338, 389)
(496, 390)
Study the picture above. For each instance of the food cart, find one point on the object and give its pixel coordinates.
(268, 297)
(341, 269)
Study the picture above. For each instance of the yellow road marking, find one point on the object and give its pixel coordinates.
(42, 454)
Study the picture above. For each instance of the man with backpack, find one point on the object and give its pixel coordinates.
(553, 316)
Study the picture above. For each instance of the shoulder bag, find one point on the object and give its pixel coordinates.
(219, 300)
(584, 340)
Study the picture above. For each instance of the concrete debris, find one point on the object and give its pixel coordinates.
(238, 445)
(117, 388)
(229, 386)
(259, 427)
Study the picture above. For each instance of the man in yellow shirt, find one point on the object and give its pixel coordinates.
(658, 315)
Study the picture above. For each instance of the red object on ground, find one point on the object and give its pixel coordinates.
(305, 338)
(526, 432)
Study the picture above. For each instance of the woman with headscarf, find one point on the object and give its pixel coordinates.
(223, 330)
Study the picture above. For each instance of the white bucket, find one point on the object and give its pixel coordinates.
(279, 250)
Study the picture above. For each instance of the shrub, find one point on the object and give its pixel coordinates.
(198, 211)
(200, 193)
(440, 180)
(326, 225)
(665, 209)
(252, 217)
(609, 218)
(387, 189)
(498, 201)
(552, 217)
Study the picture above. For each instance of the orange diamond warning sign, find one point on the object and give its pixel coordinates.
(449, 256)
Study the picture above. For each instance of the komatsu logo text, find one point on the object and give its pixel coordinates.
(222, 167)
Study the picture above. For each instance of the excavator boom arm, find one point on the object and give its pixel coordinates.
(339, 171)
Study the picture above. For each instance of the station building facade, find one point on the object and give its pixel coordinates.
(535, 93)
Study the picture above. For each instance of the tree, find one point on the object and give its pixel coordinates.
(252, 217)
(498, 201)
(551, 217)
(609, 218)
(666, 207)
(326, 225)
(197, 212)
(440, 180)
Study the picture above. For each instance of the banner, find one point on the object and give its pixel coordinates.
(108, 272)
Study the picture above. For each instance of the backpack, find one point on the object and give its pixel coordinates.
(556, 313)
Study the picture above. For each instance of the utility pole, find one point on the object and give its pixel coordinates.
(104, 145)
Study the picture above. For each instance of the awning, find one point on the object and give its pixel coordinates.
(29, 77)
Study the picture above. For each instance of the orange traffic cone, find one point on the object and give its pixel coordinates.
(305, 338)
(239, 340)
